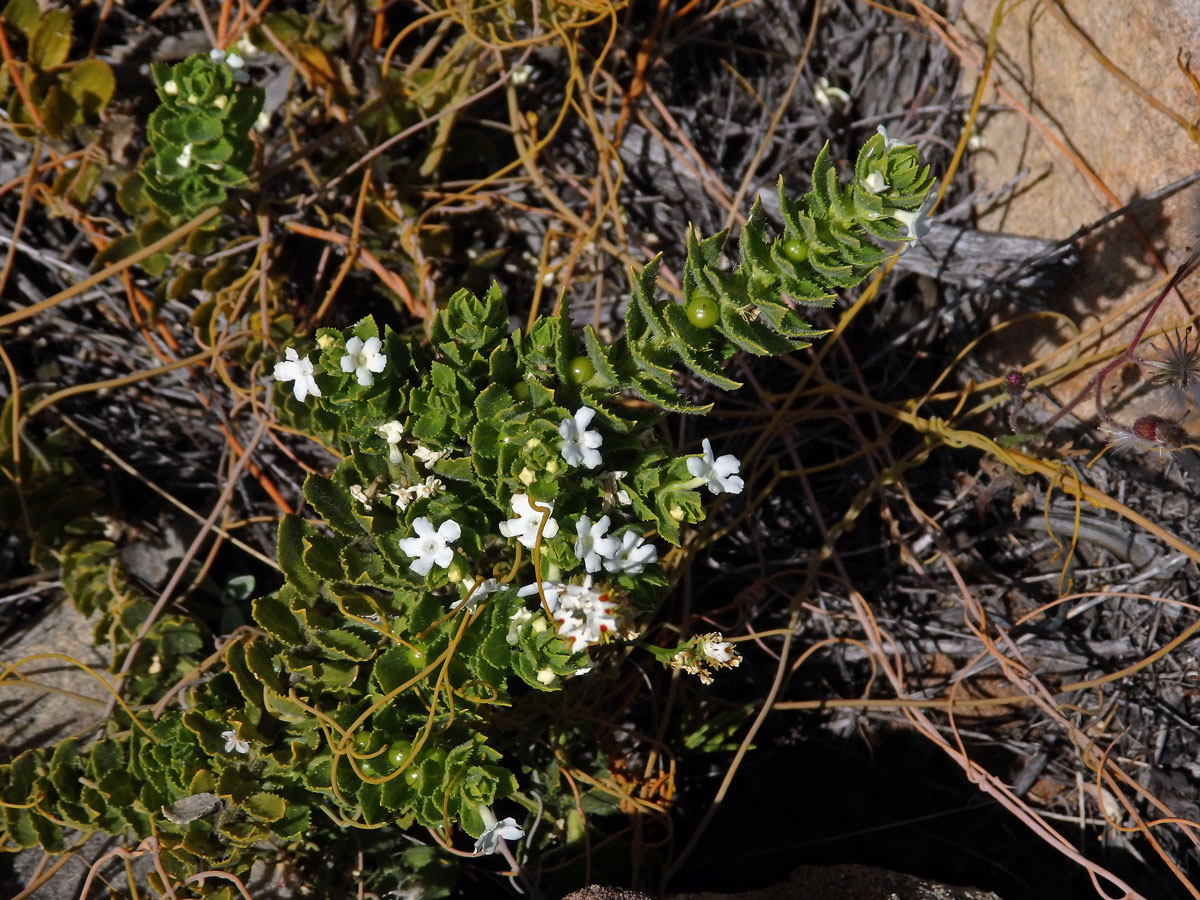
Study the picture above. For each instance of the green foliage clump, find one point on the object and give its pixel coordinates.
(486, 538)
(55, 97)
(834, 237)
(199, 136)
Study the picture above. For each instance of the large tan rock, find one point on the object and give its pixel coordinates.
(1103, 127)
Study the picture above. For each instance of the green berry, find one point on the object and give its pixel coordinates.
(417, 658)
(398, 753)
(580, 369)
(703, 312)
(795, 250)
(521, 390)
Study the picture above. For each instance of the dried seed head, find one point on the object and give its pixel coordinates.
(1157, 430)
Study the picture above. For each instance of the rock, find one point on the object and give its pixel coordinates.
(1131, 147)
(843, 882)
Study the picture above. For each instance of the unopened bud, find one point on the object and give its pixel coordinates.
(1015, 383)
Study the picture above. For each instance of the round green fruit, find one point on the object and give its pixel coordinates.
(580, 369)
(398, 753)
(703, 312)
(795, 250)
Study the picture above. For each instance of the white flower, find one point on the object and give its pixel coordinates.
(519, 618)
(889, 143)
(719, 474)
(184, 159)
(392, 432)
(363, 359)
(875, 183)
(430, 486)
(592, 547)
(527, 522)
(719, 651)
(826, 95)
(430, 548)
(583, 614)
(428, 457)
(915, 221)
(481, 590)
(521, 75)
(357, 492)
(546, 676)
(293, 368)
(171, 88)
(233, 743)
(550, 588)
(579, 444)
(495, 832)
(632, 556)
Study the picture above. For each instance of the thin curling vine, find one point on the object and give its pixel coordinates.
(492, 532)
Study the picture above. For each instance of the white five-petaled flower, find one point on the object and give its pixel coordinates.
(495, 832)
(478, 592)
(297, 370)
(364, 358)
(579, 444)
(632, 556)
(234, 744)
(719, 474)
(430, 548)
(592, 547)
(527, 522)
(915, 220)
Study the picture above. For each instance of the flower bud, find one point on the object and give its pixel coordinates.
(1015, 383)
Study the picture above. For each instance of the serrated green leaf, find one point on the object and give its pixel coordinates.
(332, 504)
(265, 806)
(277, 620)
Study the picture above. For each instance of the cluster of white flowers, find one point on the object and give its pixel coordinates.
(704, 653)
(362, 358)
(582, 613)
(916, 222)
(406, 494)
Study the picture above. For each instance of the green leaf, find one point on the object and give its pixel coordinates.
(332, 503)
(50, 41)
(22, 15)
(290, 544)
(277, 620)
(91, 84)
(265, 806)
